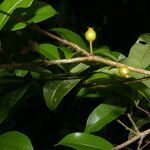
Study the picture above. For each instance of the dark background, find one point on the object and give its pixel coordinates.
(118, 24)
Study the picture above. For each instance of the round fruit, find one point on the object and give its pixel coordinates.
(90, 34)
(123, 71)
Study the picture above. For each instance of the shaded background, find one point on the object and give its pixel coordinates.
(118, 24)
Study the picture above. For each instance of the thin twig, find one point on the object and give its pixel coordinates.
(146, 112)
(118, 83)
(126, 127)
(135, 138)
(63, 41)
(147, 143)
(99, 59)
(133, 123)
(140, 143)
(89, 58)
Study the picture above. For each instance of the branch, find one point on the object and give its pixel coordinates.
(89, 58)
(147, 143)
(83, 51)
(135, 138)
(63, 41)
(79, 49)
(146, 112)
(140, 143)
(120, 83)
(133, 123)
(126, 127)
(99, 59)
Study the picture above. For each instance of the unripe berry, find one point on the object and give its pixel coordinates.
(123, 71)
(90, 34)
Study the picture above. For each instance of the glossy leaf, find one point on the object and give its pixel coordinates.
(9, 6)
(9, 100)
(38, 12)
(14, 140)
(104, 114)
(85, 141)
(71, 36)
(54, 91)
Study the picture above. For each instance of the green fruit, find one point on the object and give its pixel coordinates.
(123, 71)
(90, 34)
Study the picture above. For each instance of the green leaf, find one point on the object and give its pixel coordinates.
(71, 36)
(105, 53)
(79, 68)
(9, 6)
(144, 38)
(49, 51)
(144, 86)
(54, 91)
(140, 52)
(98, 77)
(9, 100)
(39, 11)
(14, 140)
(104, 114)
(35, 75)
(21, 73)
(142, 89)
(119, 56)
(131, 61)
(68, 52)
(85, 141)
(109, 71)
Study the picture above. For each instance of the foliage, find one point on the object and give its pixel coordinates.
(21, 83)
